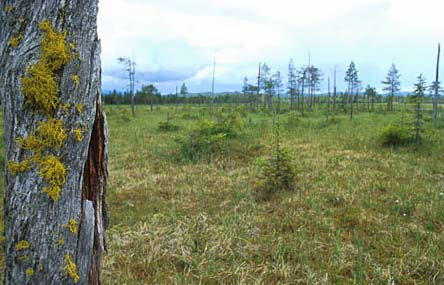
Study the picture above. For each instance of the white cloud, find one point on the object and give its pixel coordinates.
(186, 35)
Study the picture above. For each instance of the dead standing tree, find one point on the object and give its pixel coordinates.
(436, 89)
(55, 142)
(130, 66)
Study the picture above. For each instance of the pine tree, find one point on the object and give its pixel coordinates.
(392, 84)
(183, 90)
(370, 93)
(351, 77)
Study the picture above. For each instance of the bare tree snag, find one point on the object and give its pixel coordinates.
(436, 89)
(55, 142)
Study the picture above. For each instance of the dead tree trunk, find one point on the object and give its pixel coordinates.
(436, 87)
(55, 142)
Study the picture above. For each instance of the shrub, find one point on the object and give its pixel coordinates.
(275, 174)
(166, 126)
(293, 120)
(229, 123)
(394, 135)
(124, 115)
(206, 139)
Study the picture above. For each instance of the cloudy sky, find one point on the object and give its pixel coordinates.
(175, 41)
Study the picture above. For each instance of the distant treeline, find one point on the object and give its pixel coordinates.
(147, 98)
(142, 97)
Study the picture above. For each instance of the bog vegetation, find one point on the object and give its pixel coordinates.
(219, 194)
(315, 190)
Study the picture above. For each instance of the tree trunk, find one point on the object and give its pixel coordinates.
(435, 99)
(55, 142)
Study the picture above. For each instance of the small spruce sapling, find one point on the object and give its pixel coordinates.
(276, 173)
(418, 96)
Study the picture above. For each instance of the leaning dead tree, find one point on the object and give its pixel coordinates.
(55, 142)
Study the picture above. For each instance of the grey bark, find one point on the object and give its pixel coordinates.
(29, 213)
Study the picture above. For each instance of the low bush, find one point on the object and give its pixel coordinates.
(274, 174)
(207, 138)
(395, 135)
(167, 126)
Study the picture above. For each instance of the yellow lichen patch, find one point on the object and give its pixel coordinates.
(15, 41)
(55, 52)
(54, 171)
(9, 8)
(78, 133)
(23, 258)
(52, 133)
(49, 134)
(76, 79)
(40, 88)
(53, 192)
(16, 167)
(79, 107)
(30, 143)
(23, 244)
(29, 271)
(61, 242)
(71, 268)
(66, 107)
(73, 226)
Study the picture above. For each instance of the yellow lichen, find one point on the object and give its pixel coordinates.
(53, 192)
(15, 41)
(23, 258)
(23, 244)
(73, 226)
(76, 79)
(54, 171)
(39, 84)
(55, 52)
(9, 8)
(16, 167)
(79, 107)
(49, 134)
(78, 133)
(61, 242)
(30, 143)
(52, 133)
(40, 88)
(66, 107)
(29, 271)
(71, 268)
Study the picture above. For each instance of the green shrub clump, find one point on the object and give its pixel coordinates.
(207, 138)
(275, 174)
(395, 135)
(166, 126)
